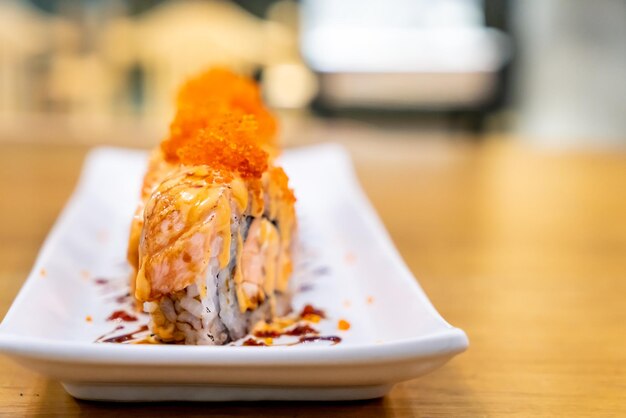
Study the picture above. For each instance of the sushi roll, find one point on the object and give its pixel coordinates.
(212, 239)
(200, 102)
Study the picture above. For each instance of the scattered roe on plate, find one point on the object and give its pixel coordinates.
(343, 325)
(221, 122)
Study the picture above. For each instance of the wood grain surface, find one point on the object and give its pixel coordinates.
(524, 249)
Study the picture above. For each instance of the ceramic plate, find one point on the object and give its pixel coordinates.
(347, 266)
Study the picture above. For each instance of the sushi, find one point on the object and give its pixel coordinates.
(211, 242)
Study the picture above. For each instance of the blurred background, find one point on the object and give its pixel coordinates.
(490, 136)
(551, 72)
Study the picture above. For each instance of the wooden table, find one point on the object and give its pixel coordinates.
(525, 250)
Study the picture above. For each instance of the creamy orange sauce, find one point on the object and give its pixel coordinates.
(157, 170)
(191, 209)
(214, 169)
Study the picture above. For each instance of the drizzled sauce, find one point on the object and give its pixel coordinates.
(306, 339)
(251, 342)
(305, 333)
(122, 316)
(295, 332)
(310, 339)
(266, 333)
(310, 310)
(125, 337)
(302, 330)
(117, 328)
(122, 299)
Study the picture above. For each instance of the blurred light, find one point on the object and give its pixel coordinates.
(400, 36)
(350, 49)
(289, 85)
(403, 54)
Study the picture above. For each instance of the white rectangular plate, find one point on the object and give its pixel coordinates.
(348, 267)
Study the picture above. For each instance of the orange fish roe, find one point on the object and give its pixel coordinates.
(225, 142)
(221, 122)
(220, 85)
(88, 318)
(343, 325)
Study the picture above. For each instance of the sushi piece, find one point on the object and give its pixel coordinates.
(212, 240)
(201, 101)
